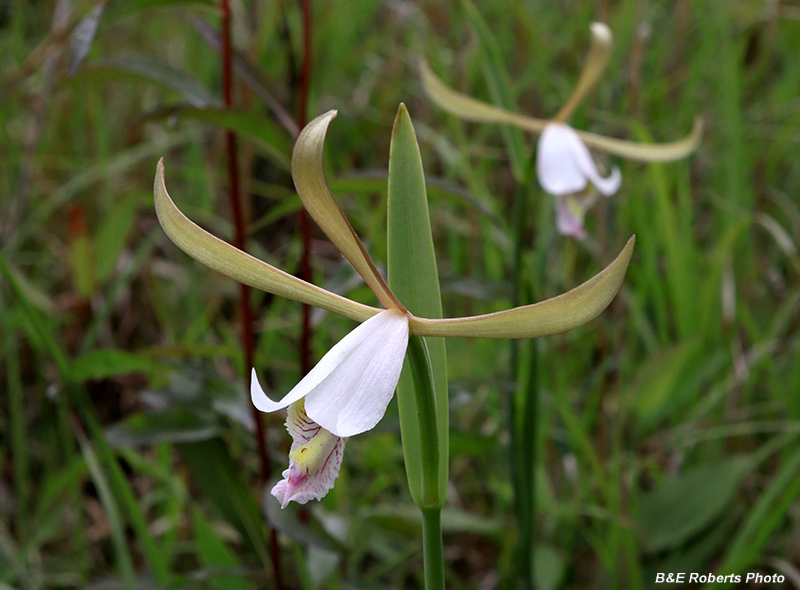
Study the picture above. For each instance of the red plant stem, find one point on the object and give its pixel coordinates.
(248, 337)
(305, 226)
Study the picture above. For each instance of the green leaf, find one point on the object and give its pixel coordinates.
(175, 425)
(306, 531)
(213, 553)
(765, 516)
(272, 138)
(152, 69)
(656, 381)
(549, 567)
(414, 279)
(112, 513)
(100, 364)
(81, 254)
(499, 83)
(407, 520)
(57, 485)
(679, 508)
(117, 9)
(82, 37)
(218, 477)
(112, 235)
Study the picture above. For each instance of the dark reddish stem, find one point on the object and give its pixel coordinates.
(305, 226)
(248, 337)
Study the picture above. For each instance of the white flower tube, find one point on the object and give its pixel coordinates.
(349, 389)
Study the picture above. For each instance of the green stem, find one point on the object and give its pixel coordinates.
(428, 428)
(19, 446)
(521, 451)
(432, 548)
(431, 504)
(527, 467)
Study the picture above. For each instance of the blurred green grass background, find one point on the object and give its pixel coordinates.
(669, 425)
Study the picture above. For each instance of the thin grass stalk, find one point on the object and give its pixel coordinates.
(521, 416)
(19, 443)
(75, 396)
(305, 225)
(529, 402)
(80, 540)
(110, 508)
(248, 337)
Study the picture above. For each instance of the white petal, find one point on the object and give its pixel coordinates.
(263, 403)
(350, 387)
(358, 386)
(564, 164)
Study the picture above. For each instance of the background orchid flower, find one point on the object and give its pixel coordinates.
(564, 166)
(348, 391)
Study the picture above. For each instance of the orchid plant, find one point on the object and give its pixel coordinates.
(348, 391)
(564, 165)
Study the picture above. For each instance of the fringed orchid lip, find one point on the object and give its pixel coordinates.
(571, 211)
(314, 459)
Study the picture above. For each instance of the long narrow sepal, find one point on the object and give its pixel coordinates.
(470, 109)
(309, 179)
(595, 65)
(559, 314)
(240, 266)
(647, 152)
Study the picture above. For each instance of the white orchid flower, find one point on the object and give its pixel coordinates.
(345, 394)
(565, 169)
(564, 166)
(348, 391)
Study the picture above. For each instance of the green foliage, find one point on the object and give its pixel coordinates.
(677, 509)
(414, 279)
(213, 553)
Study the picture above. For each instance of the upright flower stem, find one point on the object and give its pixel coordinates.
(432, 549)
(431, 506)
(426, 406)
(246, 315)
(522, 452)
